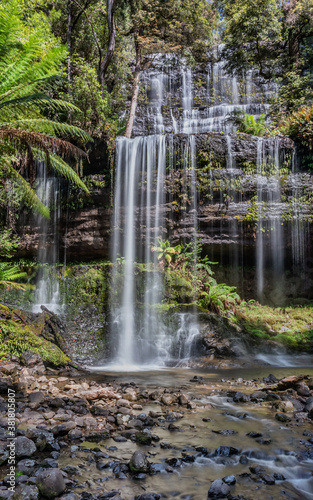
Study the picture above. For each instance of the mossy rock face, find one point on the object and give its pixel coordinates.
(16, 339)
(21, 331)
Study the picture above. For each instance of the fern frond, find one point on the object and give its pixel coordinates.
(46, 126)
(64, 170)
(30, 197)
(9, 274)
(41, 141)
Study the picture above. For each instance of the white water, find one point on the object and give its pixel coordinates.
(47, 287)
(269, 224)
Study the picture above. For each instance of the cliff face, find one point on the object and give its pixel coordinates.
(246, 198)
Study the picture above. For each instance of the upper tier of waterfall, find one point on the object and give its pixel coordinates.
(177, 99)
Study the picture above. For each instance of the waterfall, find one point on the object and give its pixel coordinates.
(139, 334)
(143, 203)
(269, 225)
(47, 287)
(138, 223)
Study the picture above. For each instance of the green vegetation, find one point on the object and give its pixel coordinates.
(299, 125)
(291, 326)
(16, 339)
(9, 274)
(274, 38)
(31, 125)
(249, 125)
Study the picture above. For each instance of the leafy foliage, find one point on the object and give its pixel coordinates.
(218, 297)
(8, 243)
(190, 277)
(9, 274)
(249, 125)
(29, 66)
(165, 252)
(299, 125)
(275, 38)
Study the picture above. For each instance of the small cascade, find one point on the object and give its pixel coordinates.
(47, 287)
(298, 232)
(269, 226)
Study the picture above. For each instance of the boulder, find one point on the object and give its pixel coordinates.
(138, 462)
(31, 359)
(219, 489)
(24, 447)
(26, 492)
(63, 429)
(50, 483)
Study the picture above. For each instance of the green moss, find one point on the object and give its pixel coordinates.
(88, 282)
(16, 339)
(292, 326)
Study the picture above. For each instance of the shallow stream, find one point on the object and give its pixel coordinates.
(182, 467)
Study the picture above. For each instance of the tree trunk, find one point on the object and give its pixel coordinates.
(104, 64)
(133, 106)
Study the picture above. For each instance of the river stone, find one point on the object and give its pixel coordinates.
(44, 439)
(268, 479)
(271, 379)
(303, 390)
(26, 492)
(36, 398)
(138, 462)
(30, 358)
(50, 483)
(108, 494)
(258, 395)
(148, 496)
(281, 417)
(309, 383)
(63, 429)
(26, 466)
(183, 399)
(226, 451)
(240, 397)
(309, 404)
(130, 394)
(4, 453)
(24, 447)
(9, 368)
(218, 489)
(6, 494)
(167, 399)
(144, 438)
(230, 480)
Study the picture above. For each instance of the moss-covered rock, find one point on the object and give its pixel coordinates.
(290, 326)
(16, 339)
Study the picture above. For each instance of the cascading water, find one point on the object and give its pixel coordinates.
(143, 208)
(47, 288)
(269, 215)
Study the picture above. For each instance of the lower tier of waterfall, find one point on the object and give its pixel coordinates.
(156, 200)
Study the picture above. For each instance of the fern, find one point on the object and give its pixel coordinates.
(27, 68)
(9, 274)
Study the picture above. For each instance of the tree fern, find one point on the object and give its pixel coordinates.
(28, 66)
